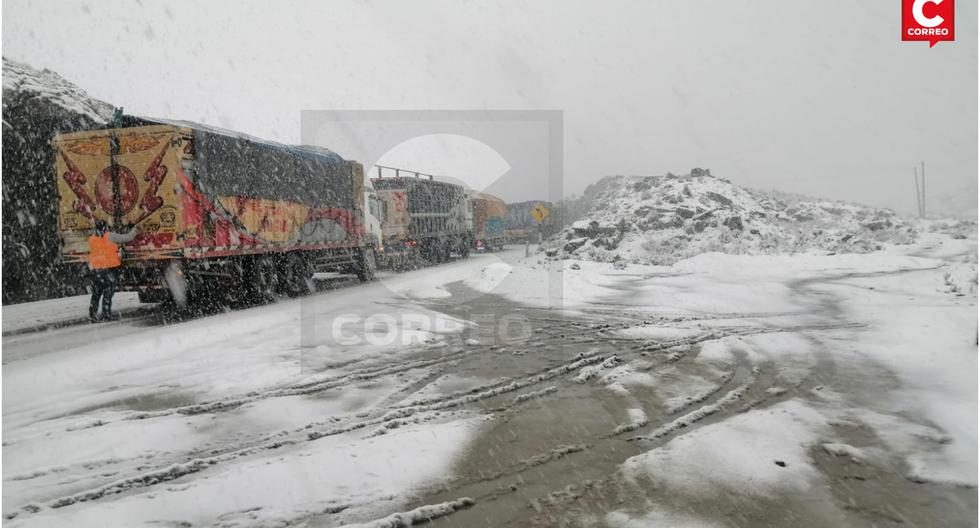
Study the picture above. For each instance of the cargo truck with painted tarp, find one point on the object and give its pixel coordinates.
(217, 210)
(425, 220)
(489, 214)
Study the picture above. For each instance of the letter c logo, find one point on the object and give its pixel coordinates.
(920, 18)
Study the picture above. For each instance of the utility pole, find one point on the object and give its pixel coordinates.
(923, 189)
(918, 193)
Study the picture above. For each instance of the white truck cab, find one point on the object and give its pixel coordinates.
(374, 214)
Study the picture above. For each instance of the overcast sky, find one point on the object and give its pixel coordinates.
(818, 97)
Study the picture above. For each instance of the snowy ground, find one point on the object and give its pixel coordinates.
(815, 390)
(41, 315)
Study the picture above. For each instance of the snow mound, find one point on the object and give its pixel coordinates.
(22, 82)
(663, 219)
(421, 515)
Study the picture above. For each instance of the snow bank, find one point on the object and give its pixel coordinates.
(420, 515)
(657, 333)
(490, 277)
(662, 219)
(931, 346)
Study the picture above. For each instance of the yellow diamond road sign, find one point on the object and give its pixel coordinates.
(539, 212)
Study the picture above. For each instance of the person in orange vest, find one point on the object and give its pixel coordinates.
(104, 260)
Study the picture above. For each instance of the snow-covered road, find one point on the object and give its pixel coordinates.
(502, 390)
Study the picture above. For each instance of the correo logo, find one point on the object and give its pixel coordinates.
(929, 20)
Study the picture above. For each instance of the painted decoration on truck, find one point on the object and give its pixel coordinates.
(128, 190)
(152, 184)
(139, 188)
(270, 220)
(100, 146)
(494, 227)
(488, 216)
(278, 221)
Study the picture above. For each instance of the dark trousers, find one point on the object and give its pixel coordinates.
(103, 286)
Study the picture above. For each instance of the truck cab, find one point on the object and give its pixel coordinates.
(374, 215)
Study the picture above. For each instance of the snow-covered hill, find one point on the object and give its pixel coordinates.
(661, 219)
(22, 83)
(37, 104)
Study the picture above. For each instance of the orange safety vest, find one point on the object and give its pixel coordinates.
(103, 253)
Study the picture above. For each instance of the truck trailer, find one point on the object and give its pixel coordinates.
(521, 227)
(218, 211)
(424, 220)
(489, 213)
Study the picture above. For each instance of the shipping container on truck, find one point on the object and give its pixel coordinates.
(489, 213)
(218, 211)
(425, 220)
(520, 226)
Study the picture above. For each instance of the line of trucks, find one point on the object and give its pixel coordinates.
(224, 212)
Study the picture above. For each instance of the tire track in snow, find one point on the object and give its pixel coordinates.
(392, 415)
(301, 389)
(178, 470)
(313, 387)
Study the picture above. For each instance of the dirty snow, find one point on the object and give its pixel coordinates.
(903, 347)
(738, 455)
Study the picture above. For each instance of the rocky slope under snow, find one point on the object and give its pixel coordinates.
(37, 104)
(662, 219)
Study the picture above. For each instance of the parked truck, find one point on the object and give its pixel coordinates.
(520, 225)
(489, 213)
(218, 211)
(424, 220)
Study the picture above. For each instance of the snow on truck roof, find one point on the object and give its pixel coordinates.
(302, 150)
(307, 174)
(409, 182)
(484, 196)
(304, 174)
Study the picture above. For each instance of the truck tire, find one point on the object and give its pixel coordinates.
(366, 265)
(262, 279)
(429, 253)
(297, 275)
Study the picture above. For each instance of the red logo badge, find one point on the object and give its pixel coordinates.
(930, 20)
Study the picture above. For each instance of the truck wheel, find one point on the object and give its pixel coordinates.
(464, 249)
(366, 265)
(428, 254)
(444, 250)
(298, 276)
(263, 279)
